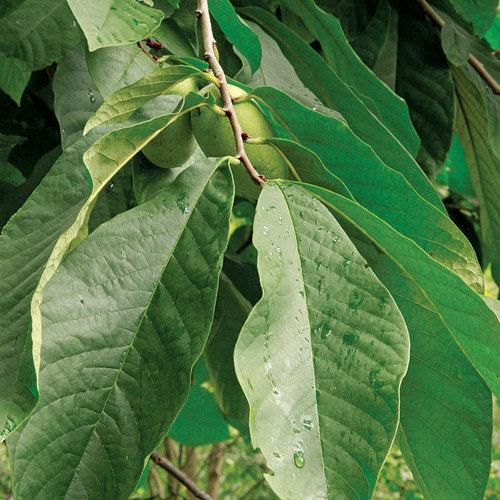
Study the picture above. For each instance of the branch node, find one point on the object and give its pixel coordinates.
(245, 135)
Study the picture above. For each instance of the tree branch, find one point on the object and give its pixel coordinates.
(140, 44)
(166, 464)
(209, 48)
(474, 62)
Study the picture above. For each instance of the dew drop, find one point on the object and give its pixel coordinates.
(91, 97)
(299, 459)
(82, 302)
(110, 187)
(276, 455)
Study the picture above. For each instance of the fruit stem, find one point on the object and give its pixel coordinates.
(209, 48)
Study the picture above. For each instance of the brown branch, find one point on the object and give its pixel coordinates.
(140, 44)
(473, 61)
(210, 47)
(215, 463)
(166, 464)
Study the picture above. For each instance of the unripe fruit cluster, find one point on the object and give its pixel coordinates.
(214, 134)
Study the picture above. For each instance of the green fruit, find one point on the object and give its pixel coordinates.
(174, 145)
(215, 137)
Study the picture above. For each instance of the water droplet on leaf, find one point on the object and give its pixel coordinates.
(299, 459)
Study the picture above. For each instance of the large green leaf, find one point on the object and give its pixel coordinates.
(480, 13)
(333, 92)
(231, 312)
(276, 71)
(121, 105)
(445, 406)
(382, 190)
(200, 421)
(424, 80)
(39, 32)
(392, 110)
(13, 77)
(103, 160)
(121, 338)
(114, 22)
(76, 97)
(462, 311)
(25, 247)
(477, 124)
(237, 32)
(322, 354)
(115, 67)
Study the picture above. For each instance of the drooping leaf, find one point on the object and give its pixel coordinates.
(76, 97)
(25, 246)
(121, 327)
(321, 356)
(334, 93)
(13, 77)
(424, 80)
(237, 32)
(121, 104)
(392, 110)
(480, 13)
(445, 406)
(200, 421)
(112, 68)
(382, 190)
(456, 46)
(231, 312)
(276, 71)
(477, 124)
(463, 313)
(39, 32)
(103, 160)
(114, 22)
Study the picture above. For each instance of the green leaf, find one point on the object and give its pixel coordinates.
(455, 173)
(380, 189)
(370, 42)
(112, 68)
(174, 38)
(237, 32)
(424, 81)
(456, 46)
(76, 97)
(121, 338)
(39, 32)
(121, 105)
(334, 93)
(493, 34)
(13, 77)
(477, 125)
(445, 406)
(462, 311)
(480, 13)
(276, 71)
(200, 421)
(114, 22)
(393, 112)
(231, 312)
(103, 160)
(25, 247)
(322, 354)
